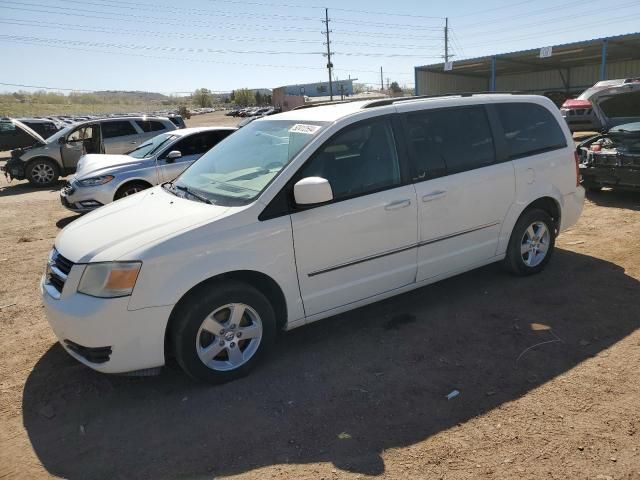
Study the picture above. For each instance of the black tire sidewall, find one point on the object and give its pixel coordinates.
(194, 309)
(120, 192)
(514, 260)
(38, 161)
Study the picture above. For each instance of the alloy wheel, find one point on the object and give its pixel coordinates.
(229, 337)
(43, 173)
(535, 244)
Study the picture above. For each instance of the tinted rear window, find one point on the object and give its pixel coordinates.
(529, 129)
(449, 140)
(150, 125)
(117, 129)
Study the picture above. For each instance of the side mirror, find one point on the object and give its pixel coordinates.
(172, 155)
(312, 191)
(62, 140)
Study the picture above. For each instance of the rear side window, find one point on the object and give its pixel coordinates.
(150, 125)
(449, 141)
(529, 129)
(117, 129)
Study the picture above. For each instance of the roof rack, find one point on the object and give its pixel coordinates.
(334, 102)
(391, 101)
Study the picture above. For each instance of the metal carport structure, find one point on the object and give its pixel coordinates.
(570, 68)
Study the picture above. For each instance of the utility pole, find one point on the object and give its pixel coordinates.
(381, 81)
(329, 64)
(446, 39)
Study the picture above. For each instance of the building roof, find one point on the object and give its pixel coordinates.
(568, 55)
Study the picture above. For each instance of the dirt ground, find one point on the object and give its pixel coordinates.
(359, 395)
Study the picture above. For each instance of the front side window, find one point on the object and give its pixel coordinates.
(529, 129)
(449, 141)
(82, 133)
(117, 129)
(360, 160)
(240, 167)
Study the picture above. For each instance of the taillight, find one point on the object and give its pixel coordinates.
(577, 158)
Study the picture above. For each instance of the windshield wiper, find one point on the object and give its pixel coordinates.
(193, 194)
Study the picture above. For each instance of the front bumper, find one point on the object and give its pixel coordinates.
(101, 332)
(14, 169)
(611, 176)
(84, 199)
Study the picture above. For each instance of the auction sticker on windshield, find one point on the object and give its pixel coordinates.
(304, 128)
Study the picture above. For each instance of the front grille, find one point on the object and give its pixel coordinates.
(68, 189)
(90, 354)
(57, 270)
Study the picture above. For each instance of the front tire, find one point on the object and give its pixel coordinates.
(531, 244)
(43, 172)
(222, 331)
(130, 188)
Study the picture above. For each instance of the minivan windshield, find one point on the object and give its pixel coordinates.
(148, 149)
(240, 167)
(61, 133)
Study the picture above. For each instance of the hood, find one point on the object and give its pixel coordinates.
(29, 131)
(617, 105)
(96, 163)
(132, 224)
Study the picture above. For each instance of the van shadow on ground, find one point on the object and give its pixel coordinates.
(379, 374)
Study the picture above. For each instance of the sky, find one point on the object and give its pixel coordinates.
(176, 47)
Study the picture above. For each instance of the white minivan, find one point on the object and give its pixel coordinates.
(306, 214)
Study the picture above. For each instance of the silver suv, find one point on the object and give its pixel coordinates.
(58, 155)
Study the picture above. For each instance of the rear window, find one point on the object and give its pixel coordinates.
(150, 125)
(624, 105)
(529, 129)
(449, 141)
(117, 129)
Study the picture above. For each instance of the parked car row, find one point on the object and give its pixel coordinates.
(45, 160)
(297, 217)
(252, 112)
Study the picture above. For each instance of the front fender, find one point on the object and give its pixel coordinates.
(175, 266)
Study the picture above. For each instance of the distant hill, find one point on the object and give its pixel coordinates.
(133, 95)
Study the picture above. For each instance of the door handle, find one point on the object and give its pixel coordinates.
(434, 195)
(398, 204)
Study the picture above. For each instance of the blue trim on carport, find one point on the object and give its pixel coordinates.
(603, 65)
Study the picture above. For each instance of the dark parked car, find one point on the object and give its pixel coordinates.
(42, 126)
(612, 159)
(15, 134)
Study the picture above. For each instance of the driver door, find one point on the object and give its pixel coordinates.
(83, 140)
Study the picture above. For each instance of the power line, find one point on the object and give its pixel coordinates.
(195, 36)
(145, 18)
(188, 11)
(480, 12)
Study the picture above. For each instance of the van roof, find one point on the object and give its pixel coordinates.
(330, 112)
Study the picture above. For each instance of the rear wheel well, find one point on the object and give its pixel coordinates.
(261, 282)
(549, 205)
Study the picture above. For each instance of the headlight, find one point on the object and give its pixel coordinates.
(92, 182)
(109, 279)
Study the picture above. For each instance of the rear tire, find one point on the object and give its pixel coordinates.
(43, 172)
(130, 189)
(531, 244)
(221, 331)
